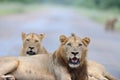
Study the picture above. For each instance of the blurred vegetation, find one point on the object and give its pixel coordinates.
(101, 16)
(97, 10)
(101, 4)
(87, 3)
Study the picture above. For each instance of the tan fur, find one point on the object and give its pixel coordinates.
(32, 40)
(98, 72)
(64, 52)
(50, 67)
(37, 67)
(110, 24)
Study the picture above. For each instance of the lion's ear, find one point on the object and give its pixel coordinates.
(63, 39)
(23, 35)
(86, 41)
(42, 36)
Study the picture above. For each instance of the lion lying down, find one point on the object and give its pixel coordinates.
(95, 70)
(68, 62)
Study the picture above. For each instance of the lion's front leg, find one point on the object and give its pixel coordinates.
(8, 65)
(62, 74)
(65, 76)
(109, 76)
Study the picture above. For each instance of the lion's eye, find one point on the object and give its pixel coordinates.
(69, 44)
(36, 41)
(27, 39)
(80, 44)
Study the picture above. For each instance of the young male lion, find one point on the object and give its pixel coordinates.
(32, 44)
(68, 62)
(71, 58)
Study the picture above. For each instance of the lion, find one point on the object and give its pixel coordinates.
(36, 67)
(97, 71)
(91, 68)
(68, 62)
(71, 57)
(32, 44)
(110, 24)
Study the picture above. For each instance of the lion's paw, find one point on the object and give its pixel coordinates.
(104, 79)
(7, 77)
(91, 78)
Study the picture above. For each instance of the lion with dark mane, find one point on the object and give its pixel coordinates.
(71, 57)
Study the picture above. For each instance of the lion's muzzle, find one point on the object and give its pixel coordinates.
(30, 52)
(74, 60)
(74, 53)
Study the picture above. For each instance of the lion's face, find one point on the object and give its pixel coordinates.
(32, 43)
(74, 48)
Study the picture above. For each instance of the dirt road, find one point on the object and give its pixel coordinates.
(104, 46)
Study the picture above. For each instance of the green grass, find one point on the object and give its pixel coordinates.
(101, 16)
(13, 8)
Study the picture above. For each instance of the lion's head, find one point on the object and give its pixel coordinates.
(74, 50)
(32, 43)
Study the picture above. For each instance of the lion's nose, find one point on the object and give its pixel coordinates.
(31, 47)
(74, 53)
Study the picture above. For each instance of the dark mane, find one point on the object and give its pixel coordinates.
(79, 73)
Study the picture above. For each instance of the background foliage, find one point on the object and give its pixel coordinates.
(88, 3)
(97, 10)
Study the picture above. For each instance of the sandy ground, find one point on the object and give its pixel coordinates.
(104, 46)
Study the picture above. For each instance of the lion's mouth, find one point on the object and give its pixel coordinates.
(30, 52)
(74, 60)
